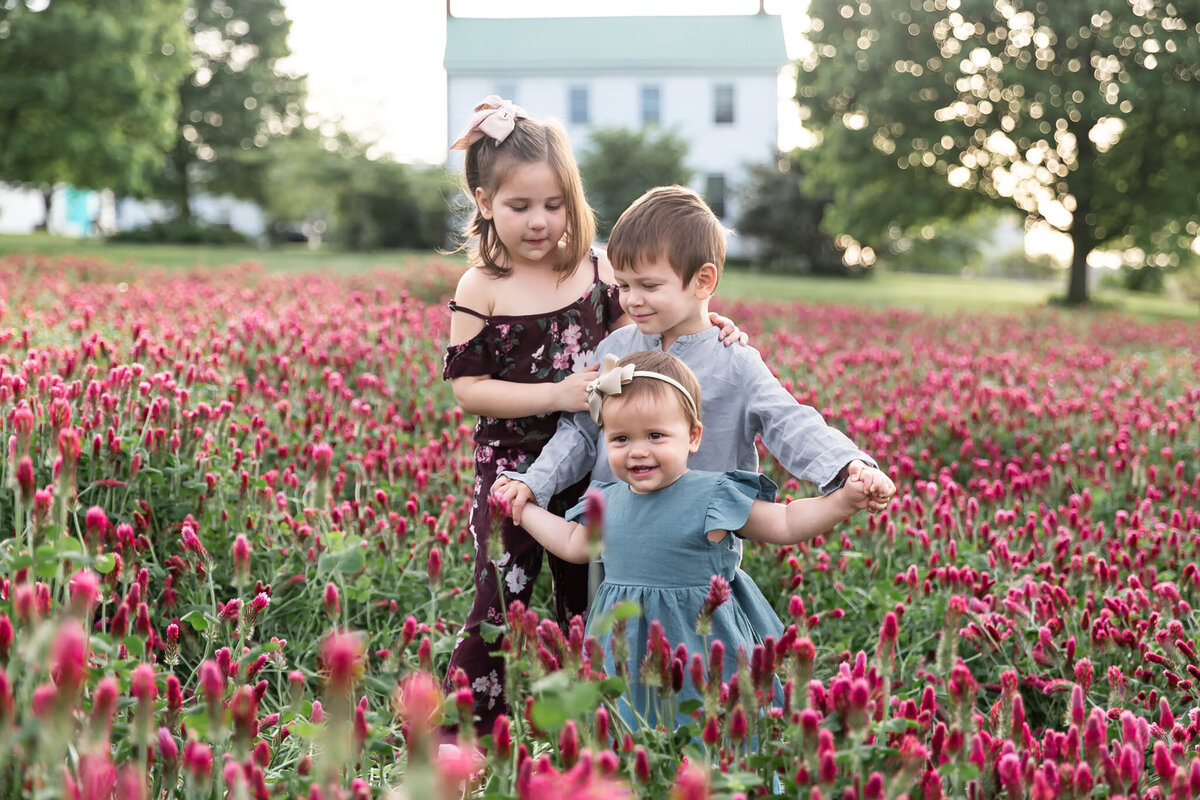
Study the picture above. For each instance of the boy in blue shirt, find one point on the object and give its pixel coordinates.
(667, 252)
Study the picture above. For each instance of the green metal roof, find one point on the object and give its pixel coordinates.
(746, 41)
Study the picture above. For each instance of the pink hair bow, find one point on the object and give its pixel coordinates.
(495, 117)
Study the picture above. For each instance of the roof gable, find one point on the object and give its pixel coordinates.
(745, 41)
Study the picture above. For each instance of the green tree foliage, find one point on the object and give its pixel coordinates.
(787, 222)
(234, 103)
(384, 204)
(1078, 113)
(364, 203)
(948, 247)
(620, 164)
(87, 91)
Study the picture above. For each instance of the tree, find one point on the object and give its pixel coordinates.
(787, 222)
(365, 203)
(948, 246)
(234, 103)
(1077, 113)
(620, 164)
(86, 93)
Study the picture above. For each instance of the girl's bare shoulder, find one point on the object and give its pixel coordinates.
(476, 290)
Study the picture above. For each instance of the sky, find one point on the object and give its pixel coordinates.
(376, 65)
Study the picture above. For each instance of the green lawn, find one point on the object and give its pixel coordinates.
(937, 293)
(284, 258)
(943, 293)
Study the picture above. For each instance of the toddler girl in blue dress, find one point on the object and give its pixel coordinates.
(667, 529)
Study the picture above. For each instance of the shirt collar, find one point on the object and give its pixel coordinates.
(688, 340)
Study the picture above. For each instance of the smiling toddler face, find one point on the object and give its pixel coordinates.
(649, 439)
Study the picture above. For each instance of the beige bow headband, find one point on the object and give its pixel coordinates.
(613, 376)
(494, 117)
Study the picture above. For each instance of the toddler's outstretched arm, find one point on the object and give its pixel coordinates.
(801, 520)
(567, 540)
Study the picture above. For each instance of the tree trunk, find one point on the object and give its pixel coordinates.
(48, 199)
(1083, 241)
(1083, 236)
(183, 190)
(1077, 288)
(184, 201)
(180, 158)
(178, 188)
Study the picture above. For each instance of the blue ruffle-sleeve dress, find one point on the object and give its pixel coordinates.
(658, 554)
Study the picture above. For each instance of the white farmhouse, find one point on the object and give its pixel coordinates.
(712, 79)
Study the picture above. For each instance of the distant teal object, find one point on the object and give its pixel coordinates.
(78, 216)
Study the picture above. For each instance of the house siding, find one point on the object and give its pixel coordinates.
(615, 99)
(535, 62)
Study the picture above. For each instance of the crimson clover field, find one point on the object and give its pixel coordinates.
(234, 558)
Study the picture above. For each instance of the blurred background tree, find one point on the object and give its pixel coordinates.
(88, 92)
(235, 102)
(363, 203)
(786, 222)
(619, 164)
(950, 247)
(171, 98)
(1077, 114)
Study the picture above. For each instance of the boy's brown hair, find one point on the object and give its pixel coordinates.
(656, 390)
(671, 221)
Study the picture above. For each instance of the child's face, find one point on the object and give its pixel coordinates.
(649, 441)
(529, 210)
(654, 297)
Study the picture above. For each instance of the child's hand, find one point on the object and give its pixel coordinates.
(729, 331)
(877, 486)
(572, 390)
(853, 493)
(516, 494)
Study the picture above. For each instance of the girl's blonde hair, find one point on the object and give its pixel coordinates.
(489, 163)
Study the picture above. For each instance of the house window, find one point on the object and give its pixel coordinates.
(723, 103)
(714, 193)
(507, 91)
(651, 104)
(578, 105)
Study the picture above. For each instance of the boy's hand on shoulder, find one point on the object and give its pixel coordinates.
(730, 334)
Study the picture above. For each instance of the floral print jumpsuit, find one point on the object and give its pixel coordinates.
(535, 348)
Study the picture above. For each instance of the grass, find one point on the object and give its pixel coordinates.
(944, 293)
(297, 258)
(933, 293)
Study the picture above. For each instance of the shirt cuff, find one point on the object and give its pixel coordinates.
(538, 492)
(837, 481)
